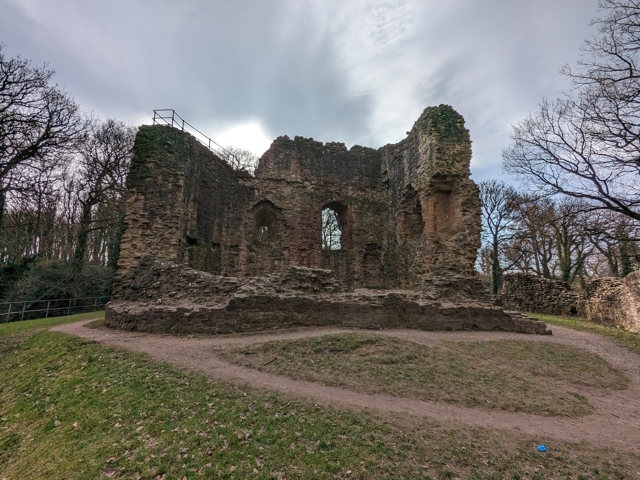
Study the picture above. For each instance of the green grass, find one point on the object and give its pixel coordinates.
(622, 337)
(74, 409)
(27, 325)
(15, 332)
(532, 377)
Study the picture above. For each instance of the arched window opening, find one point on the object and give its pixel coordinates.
(267, 223)
(331, 230)
(265, 249)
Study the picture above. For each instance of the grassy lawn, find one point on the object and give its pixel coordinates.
(621, 337)
(42, 323)
(15, 332)
(505, 375)
(73, 409)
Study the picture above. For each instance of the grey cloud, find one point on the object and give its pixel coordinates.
(358, 72)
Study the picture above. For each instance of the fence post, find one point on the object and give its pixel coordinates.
(46, 315)
(9, 313)
(95, 303)
(24, 308)
(69, 307)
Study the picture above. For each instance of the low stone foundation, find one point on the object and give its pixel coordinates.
(171, 298)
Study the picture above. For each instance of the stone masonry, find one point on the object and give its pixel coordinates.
(409, 220)
(616, 301)
(607, 300)
(532, 293)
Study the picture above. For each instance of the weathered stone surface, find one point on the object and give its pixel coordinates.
(172, 298)
(246, 252)
(407, 210)
(610, 301)
(616, 301)
(531, 293)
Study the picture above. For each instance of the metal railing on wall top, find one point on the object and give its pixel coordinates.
(168, 116)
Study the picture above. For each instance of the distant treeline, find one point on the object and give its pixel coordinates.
(62, 180)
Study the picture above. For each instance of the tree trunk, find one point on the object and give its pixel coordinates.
(2, 197)
(496, 271)
(82, 239)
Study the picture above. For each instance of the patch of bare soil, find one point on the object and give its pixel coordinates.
(614, 423)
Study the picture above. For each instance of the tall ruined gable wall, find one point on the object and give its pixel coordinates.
(183, 204)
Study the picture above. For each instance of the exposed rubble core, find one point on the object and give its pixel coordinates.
(408, 222)
(173, 298)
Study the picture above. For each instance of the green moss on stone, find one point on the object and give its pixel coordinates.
(444, 122)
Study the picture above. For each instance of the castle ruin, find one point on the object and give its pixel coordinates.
(207, 248)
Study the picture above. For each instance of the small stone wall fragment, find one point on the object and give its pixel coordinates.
(616, 301)
(608, 300)
(530, 293)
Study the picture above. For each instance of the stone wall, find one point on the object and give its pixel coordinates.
(609, 301)
(531, 293)
(616, 301)
(407, 210)
(171, 298)
(183, 204)
(434, 207)
(209, 249)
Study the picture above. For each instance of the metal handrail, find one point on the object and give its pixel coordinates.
(47, 307)
(168, 116)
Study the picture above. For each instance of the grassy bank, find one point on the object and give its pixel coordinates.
(504, 375)
(42, 323)
(621, 337)
(76, 410)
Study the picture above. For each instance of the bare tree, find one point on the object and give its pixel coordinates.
(37, 122)
(104, 160)
(241, 159)
(498, 217)
(586, 144)
(552, 238)
(331, 231)
(616, 240)
(570, 226)
(533, 247)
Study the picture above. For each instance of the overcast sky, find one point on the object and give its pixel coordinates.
(356, 71)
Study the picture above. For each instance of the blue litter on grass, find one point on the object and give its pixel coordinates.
(542, 447)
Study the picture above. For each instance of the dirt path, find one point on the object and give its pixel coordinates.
(615, 423)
